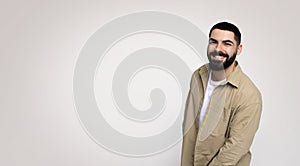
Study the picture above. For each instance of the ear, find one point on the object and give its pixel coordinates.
(239, 49)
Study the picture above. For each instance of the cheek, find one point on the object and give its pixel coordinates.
(229, 51)
(232, 52)
(210, 48)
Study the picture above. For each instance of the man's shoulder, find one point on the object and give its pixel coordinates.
(248, 90)
(201, 70)
(247, 83)
(201, 73)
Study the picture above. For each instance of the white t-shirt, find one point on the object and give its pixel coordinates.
(211, 85)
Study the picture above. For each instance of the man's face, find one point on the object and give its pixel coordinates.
(222, 49)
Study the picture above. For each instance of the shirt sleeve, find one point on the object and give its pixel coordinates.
(189, 129)
(189, 135)
(242, 129)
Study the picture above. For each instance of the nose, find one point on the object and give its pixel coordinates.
(219, 48)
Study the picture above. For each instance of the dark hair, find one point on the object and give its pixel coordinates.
(226, 26)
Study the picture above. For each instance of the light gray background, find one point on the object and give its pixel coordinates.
(39, 46)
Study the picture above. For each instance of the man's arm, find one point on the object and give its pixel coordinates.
(189, 128)
(189, 134)
(242, 130)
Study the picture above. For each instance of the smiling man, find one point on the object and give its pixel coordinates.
(223, 107)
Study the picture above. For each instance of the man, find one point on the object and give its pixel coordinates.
(223, 108)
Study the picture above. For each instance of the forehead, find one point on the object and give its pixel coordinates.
(222, 35)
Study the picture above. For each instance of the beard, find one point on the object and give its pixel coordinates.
(220, 65)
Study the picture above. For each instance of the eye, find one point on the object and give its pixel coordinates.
(228, 44)
(212, 42)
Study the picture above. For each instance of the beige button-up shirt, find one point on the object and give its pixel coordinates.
(229, 124)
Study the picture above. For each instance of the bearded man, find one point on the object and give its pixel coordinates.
(223, 108)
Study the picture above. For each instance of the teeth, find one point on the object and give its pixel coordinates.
(218, 57)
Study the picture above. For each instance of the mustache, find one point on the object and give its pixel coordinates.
(216, 53)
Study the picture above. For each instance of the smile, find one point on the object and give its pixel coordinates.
(218, 58)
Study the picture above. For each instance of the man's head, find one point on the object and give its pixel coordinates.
(223, 46)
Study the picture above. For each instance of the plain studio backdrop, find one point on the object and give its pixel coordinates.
(40, 42)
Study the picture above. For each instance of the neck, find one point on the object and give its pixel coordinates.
(218, 75)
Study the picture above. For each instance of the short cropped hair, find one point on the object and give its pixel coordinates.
(226, 26)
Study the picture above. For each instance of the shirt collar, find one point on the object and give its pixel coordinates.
(233, 79)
